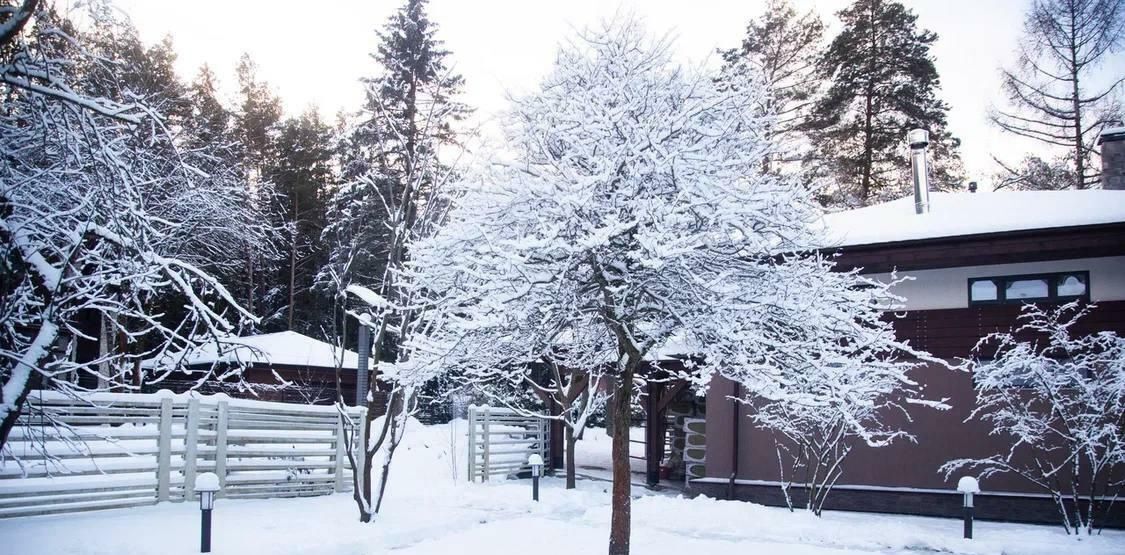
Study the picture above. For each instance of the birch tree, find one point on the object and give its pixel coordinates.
(629, 202)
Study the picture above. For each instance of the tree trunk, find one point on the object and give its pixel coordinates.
(293, 262)
(13, 414)
(1076, 96)
(868, 115)
(570, 442)
(396, 410)
(620, 522)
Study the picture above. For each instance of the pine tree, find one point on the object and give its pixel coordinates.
(1064, 43)
(210, 137)
(302, 174)
(256, 122)
(884, 83)
(783, 47)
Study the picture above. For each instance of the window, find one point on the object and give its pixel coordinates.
(1062, 286)
(1037, 288)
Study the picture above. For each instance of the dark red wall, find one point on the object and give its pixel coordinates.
(941, 435)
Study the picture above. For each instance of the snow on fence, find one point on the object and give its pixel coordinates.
(110, 450)
(501, 440)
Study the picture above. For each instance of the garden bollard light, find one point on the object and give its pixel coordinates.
(968, 486)
(207, 484)
(536, 463)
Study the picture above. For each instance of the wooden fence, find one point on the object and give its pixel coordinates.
(123, 450)
(500, 441)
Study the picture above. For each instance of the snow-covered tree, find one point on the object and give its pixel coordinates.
(96, 208)
(630, 205)
(496, 341)
(848, 395)
(1059, 398)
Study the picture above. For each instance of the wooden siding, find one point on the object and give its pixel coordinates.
(979, 250)
(952, 333)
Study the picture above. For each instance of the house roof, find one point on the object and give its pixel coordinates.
(287, 348)
(959, 214)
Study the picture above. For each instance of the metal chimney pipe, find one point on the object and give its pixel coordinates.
(918, 140)
(362, 372)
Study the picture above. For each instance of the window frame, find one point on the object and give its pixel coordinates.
(1052, 279)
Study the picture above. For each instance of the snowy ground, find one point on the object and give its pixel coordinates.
(428, 512)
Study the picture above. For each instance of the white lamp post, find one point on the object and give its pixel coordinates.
(968, 486)
(536, 463)
(207, 484)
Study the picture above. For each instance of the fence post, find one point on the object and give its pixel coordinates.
(164, 450)
(544, 438)
(487, 440)
(472, 443)
(191, 443)
(339, 452)
(221, 444)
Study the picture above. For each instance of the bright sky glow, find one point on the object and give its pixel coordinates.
(313, 53)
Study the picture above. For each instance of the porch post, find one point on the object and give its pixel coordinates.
(654, 439)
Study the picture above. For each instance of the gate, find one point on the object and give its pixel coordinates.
(501, 440)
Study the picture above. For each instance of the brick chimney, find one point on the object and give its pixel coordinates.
(1112, 141)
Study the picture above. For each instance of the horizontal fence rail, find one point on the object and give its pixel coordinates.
(113, 450)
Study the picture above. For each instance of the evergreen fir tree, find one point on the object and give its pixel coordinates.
(393, 169)
(883, 83)
(390, 156)
(783, 47)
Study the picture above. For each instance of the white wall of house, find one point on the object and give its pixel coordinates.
(948, 287)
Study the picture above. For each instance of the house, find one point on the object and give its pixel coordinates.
(975, 259)
(283, 366)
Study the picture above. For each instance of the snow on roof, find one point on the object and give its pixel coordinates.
(281, 348)
(1112, 133)
(956, 214)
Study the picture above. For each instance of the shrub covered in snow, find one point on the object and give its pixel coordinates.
(1059, 398)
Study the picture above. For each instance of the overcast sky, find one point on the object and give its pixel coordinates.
(313, 53)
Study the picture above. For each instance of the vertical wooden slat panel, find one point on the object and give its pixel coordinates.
(164, 447)
(221, 442)
(191, 445)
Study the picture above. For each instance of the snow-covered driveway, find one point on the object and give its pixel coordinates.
(500, 518)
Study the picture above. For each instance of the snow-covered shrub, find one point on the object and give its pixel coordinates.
(1059, 398)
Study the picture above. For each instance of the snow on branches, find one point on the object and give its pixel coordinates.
(101, 223)
(630, 212)
(1059, 398)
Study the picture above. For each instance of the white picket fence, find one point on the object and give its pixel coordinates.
(501, 440)
(123, 450)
